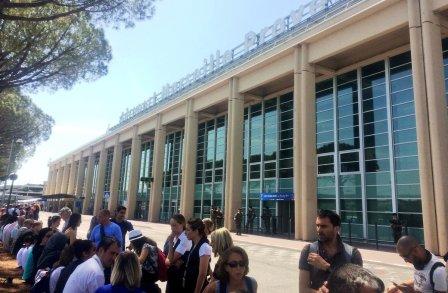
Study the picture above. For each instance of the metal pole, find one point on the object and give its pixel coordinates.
(7, 170)
(10, 192)
(376, 235)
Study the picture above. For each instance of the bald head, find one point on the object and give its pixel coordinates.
(407, 242)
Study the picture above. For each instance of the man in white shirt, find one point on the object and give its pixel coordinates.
(429, 274)
(89, 275)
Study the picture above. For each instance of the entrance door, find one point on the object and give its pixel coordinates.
(286, 216)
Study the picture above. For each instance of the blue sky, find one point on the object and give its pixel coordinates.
(153, 53)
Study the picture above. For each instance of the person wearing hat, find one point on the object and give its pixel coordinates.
(65, 214)
(149, 257)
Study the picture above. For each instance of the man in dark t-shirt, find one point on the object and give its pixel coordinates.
(124, 224)
(397, 227)
(319, 259)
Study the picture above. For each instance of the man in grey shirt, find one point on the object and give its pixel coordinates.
(319, 259)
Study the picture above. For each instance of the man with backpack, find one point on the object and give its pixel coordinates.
(429, 273)
(319, 259)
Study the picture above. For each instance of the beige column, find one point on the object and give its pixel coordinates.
(308, 143)
(71, 179)
(157, 171)
(115, 175)
(297, 148)
(189, 161)
(422, 124)
(59, 179)
(65, 176)
(48, 184)
(234, 157)
(54, 182)
(134, 175)
(51, 180)
(80, 177)
(99, 191)
(88, 181)
(438, 118)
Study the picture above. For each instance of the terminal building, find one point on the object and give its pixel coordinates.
(340, 105)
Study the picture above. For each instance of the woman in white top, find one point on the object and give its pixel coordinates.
(176, 247)
(198, 260)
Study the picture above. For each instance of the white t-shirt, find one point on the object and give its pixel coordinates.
(422, 281)
(22, 256)
(87, 277)
(184, 245)
(54, 277)
(205, 249)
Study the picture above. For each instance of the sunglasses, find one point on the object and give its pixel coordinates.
(234, 264)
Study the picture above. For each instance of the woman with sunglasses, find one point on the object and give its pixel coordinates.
(232, 269)
(30, 268)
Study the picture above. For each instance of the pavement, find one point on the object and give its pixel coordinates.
(274, 261)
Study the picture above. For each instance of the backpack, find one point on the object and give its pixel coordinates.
(154, 264)
(348, 250)
(431, 272)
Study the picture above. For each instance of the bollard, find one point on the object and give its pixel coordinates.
(289, 227)
(376, 235)
(350, 231)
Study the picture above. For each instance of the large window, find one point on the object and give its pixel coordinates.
(107, 177)
(96, 161)
(268, 156)
(144, 187)
(123, 184)
(171, 175)
(372, 171)
(211, 147)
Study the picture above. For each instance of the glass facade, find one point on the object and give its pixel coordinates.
(123, 184)
(268, 157)
(144, 188)
(367, 150)
(210, 164)
(171, 175)
(107, 176)
(445, 65)
(96, 161)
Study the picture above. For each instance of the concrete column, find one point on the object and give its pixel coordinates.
(438, 118)
(48, 184)
(59, 179)
(99, 192)
(88, 182)
(422, 124)
(157, 171)
(308, 143)
(65, 176)
(297, 148)
(115, 175)
(234, 158)
(80, 177)
(189, 161)
(54, 179)
(134, 175)
(71, 179)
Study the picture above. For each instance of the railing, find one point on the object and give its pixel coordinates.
(239, 57)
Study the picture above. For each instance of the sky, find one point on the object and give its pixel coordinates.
(144, 58)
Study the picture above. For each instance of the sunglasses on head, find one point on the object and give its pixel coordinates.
(234, 264)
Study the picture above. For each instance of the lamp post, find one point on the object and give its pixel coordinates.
(12, 177)
(8, 167)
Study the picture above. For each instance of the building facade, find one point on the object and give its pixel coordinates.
(344, 109)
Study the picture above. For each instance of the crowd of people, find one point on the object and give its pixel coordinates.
(55, 259)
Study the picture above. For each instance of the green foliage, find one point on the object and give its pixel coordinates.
(21, 119)
(54, 44)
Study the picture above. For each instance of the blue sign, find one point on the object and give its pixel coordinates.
(277, 196)
(106, 195)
